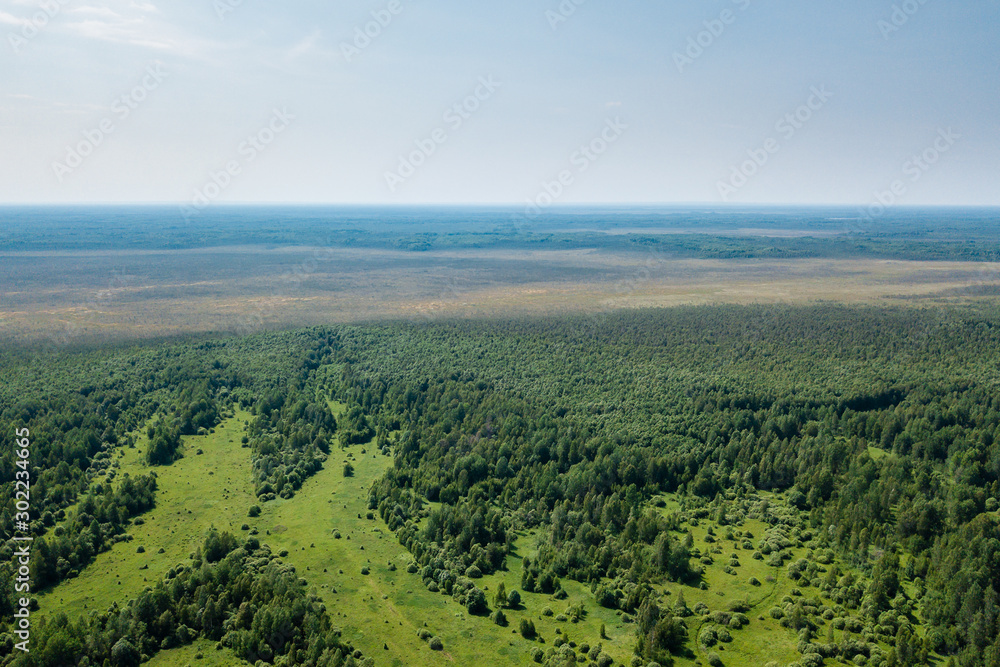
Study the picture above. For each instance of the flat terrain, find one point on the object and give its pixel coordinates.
(194, 493)
(101, 295)
(380, 613)
(328, 534)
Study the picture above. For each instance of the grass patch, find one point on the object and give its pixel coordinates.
(201, 653)
(194, 493)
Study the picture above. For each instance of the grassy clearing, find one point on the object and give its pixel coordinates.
(385, 608)
(208, 290)
(383, 611)
(620, 635)
(764, 639)
(194, 493)
(201, 653)
(723, 588)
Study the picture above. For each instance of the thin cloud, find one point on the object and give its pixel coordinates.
(10, 19)
(131, 23)
(304, 46)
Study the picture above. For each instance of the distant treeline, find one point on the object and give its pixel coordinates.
(903, 233)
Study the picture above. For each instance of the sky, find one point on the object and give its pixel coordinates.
(545, 101)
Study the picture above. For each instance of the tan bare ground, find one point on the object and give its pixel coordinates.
(81, 297)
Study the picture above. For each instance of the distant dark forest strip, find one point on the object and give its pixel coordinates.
(904, 234)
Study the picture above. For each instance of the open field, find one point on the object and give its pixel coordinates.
(381, 613)
(194, 493)
(110, 295)
(201, 653)
(328, 534)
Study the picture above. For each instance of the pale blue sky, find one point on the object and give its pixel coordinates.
(220, 81)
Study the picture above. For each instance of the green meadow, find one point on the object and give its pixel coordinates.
(354, 563)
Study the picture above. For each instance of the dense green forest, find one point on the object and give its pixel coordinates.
(878, 429)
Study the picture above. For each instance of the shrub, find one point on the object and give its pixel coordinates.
(254, 511)
(714, 660)
(436, 644)
(124, 654)
(475, 601)
(527, 629)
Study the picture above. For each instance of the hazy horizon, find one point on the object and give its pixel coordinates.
(738, 101)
